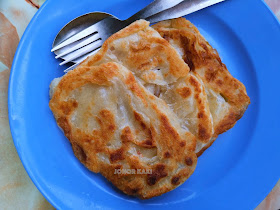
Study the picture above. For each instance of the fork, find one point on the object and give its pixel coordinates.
(92, 38)
(99, 32)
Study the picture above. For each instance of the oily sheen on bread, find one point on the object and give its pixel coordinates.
(163, 72)
(113, 122)
(227, 97)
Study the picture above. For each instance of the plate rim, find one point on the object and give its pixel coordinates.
(10, 98)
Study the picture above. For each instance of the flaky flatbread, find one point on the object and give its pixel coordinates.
(113, 123)
(162, 71)
(149, 101)
(227, 96)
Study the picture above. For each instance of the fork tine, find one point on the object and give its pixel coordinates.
(80, 60)
(84, 33)
(87, 41)
(84, 50)
(71, 67)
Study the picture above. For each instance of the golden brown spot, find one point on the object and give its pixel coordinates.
(167, 126)
(139, 119)
(182, 143)
(157, 174)
(200, 115)
(210, 75)
(111, 127)
(118, 167)
(146, 66)
(219, 82)
(151, 180)
(107, 126)
(140, 46)
(202, 132)
(134, 87)
(189, 61)
(150, 133)
(135, 190)
(175, 180)
(194, 82)
(64, 124)
(102, 75)
(131, 191)
(188, 47)
(189, 161)
(86, 138)
(148, 142)
(184, 92)
(151, 76)
(130, 79)
(117, 155)
(79, 152)
(227, 123)
(68, 106)
(126, 135)
(167, 155)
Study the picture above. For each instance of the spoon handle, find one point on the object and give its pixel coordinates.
(153, 8)
(184, 8)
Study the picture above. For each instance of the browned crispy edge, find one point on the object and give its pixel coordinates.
(217, 77)
(63, 109)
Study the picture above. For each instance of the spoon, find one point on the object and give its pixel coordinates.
(84, 21)
(75, 26)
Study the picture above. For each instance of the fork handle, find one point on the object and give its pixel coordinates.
(153, 8)
(184, 8)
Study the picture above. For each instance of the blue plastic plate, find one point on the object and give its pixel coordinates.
(237, 172)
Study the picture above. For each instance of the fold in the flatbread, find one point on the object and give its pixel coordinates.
(227, 96)
(163, 72)
(113, 122)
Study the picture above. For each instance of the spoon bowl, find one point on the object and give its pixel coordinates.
(75, 26)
